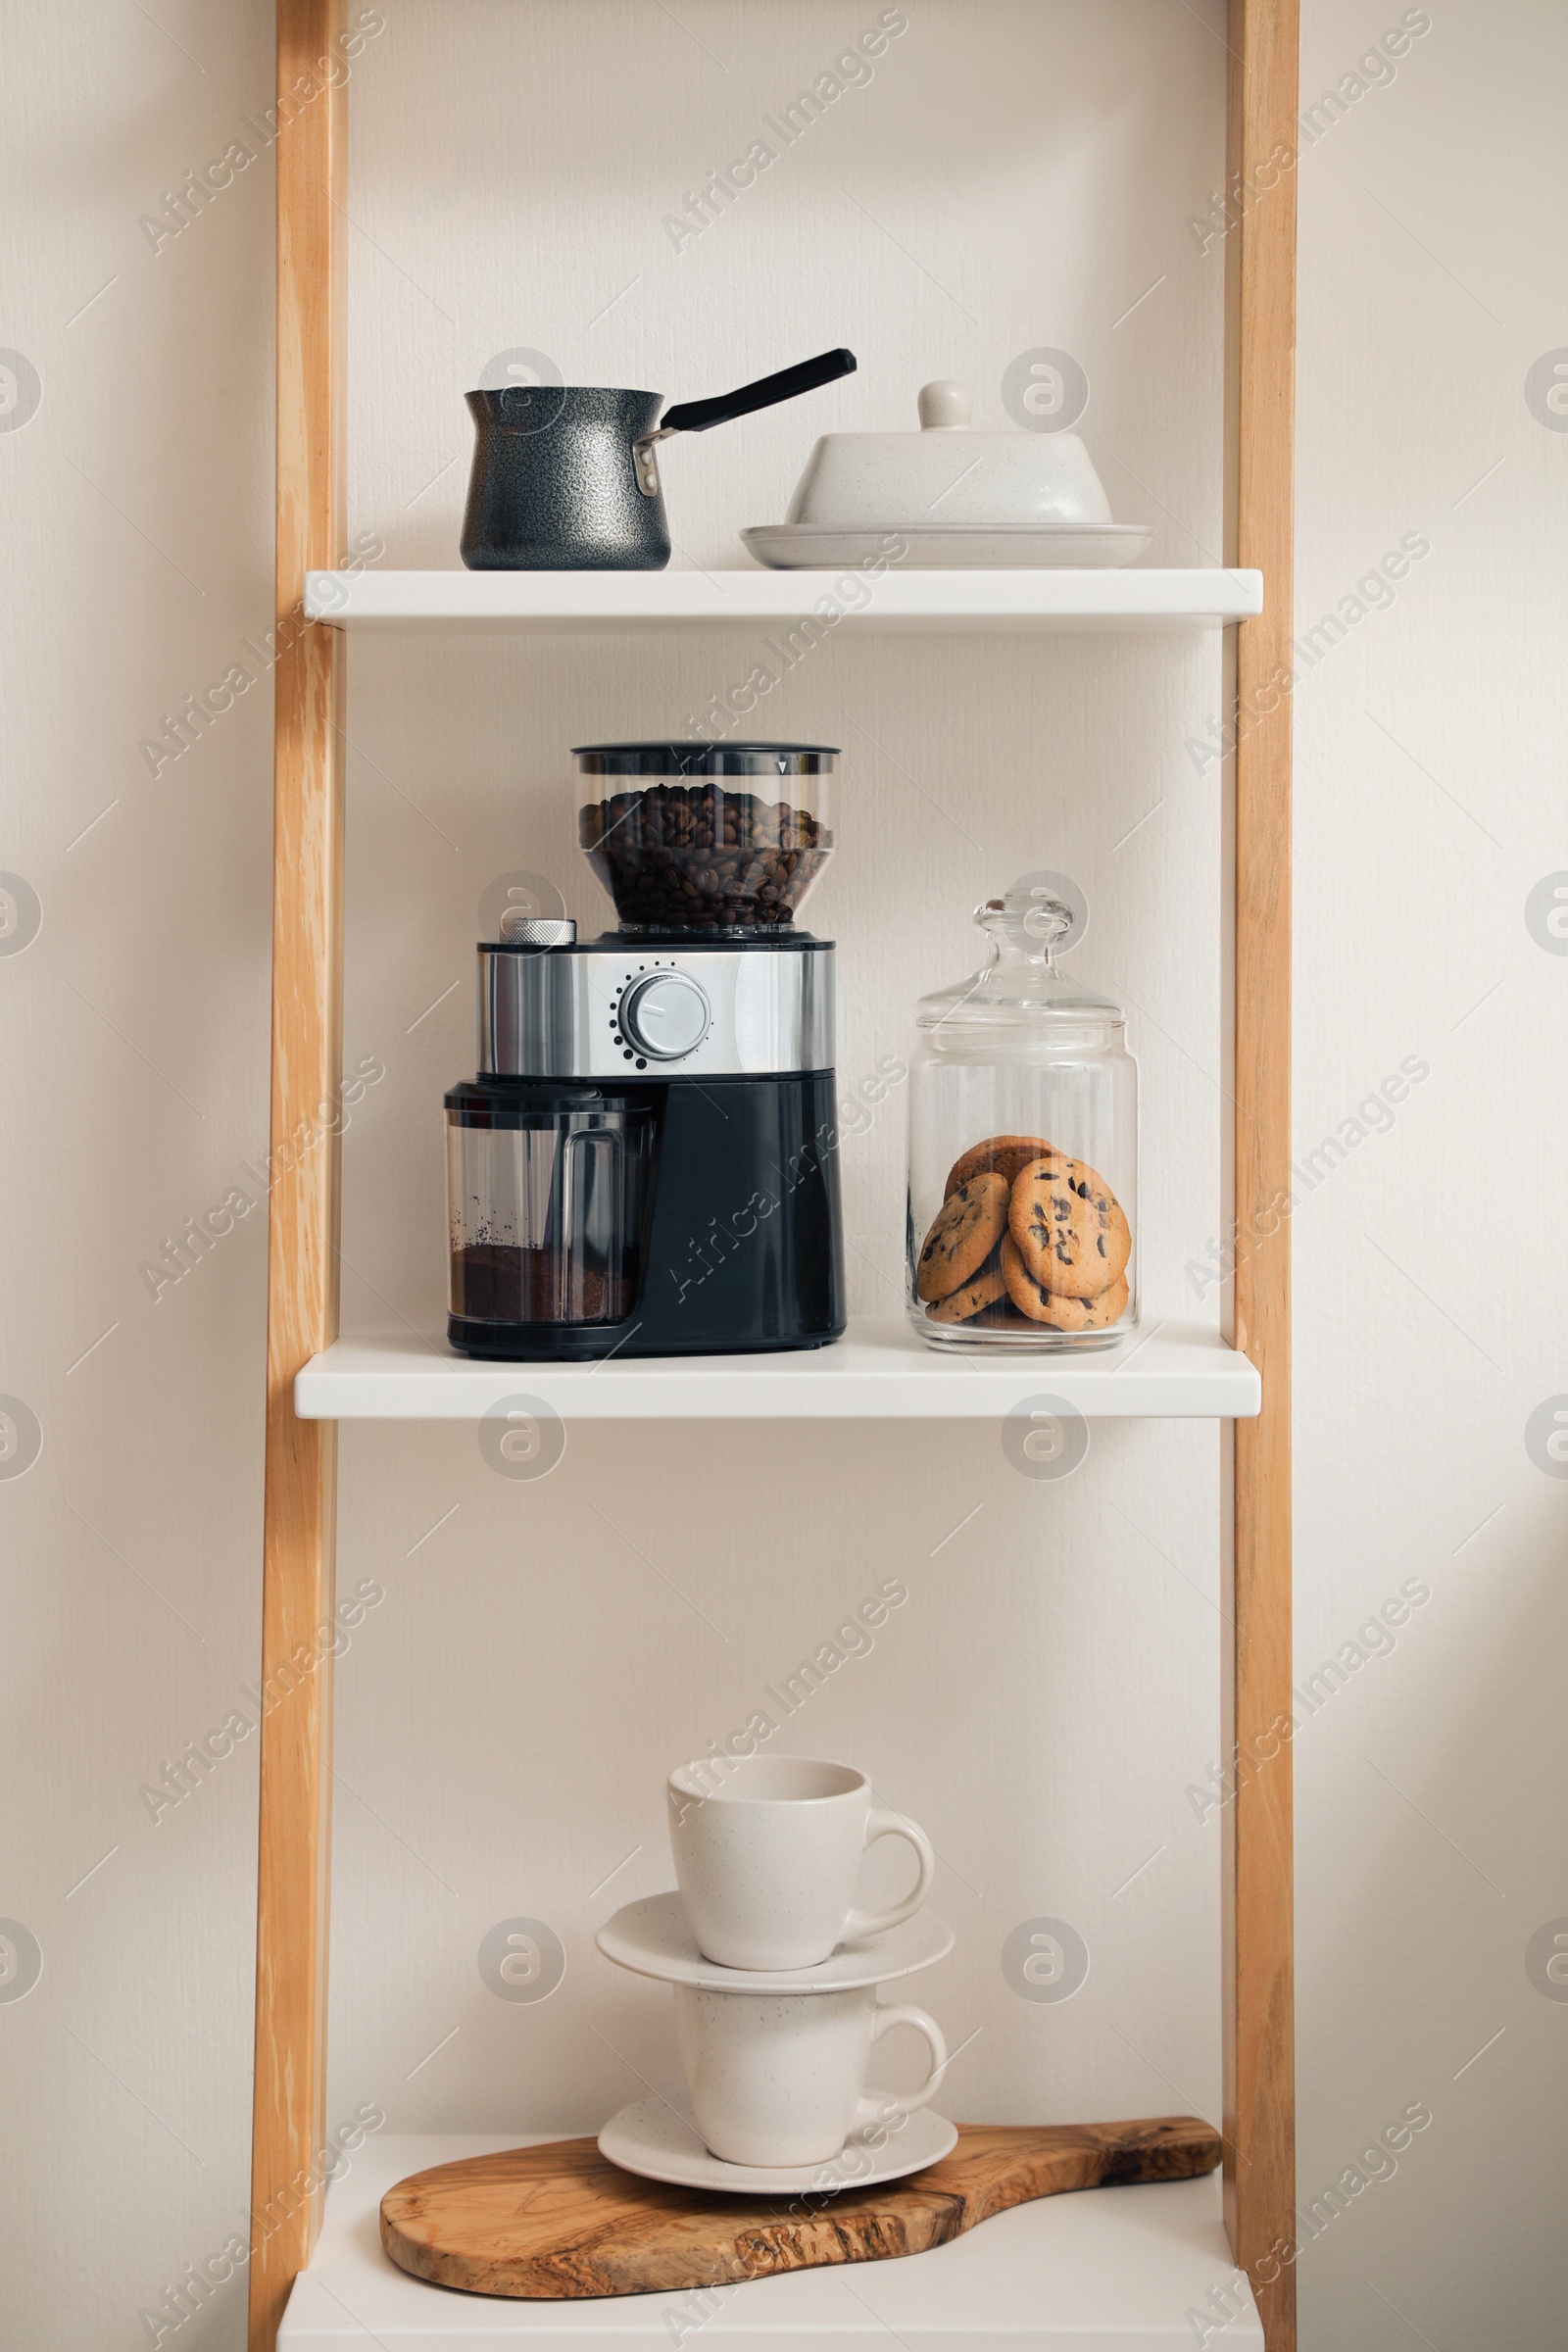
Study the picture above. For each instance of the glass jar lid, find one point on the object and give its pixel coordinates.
(705, 759)
(1020, 990)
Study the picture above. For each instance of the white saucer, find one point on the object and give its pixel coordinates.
(659, 2141)
(950, 546)
(654, 1939)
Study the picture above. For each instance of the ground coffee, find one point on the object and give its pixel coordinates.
(494, 1283)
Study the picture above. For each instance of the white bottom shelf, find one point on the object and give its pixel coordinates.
(1107, 2269)
(878, 1371)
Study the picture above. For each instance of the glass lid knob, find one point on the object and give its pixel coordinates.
(1040, 912)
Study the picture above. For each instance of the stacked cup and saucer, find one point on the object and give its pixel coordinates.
(777, 1978)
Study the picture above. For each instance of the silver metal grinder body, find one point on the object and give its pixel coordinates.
(611, 1010)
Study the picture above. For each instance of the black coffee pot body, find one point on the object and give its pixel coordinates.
(554, 485)
(564, 476)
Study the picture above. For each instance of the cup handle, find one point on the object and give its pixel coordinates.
(874, 2107)
(881, 1823)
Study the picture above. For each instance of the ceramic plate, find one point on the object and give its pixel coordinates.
(951, 546)
(653, 1940)
(660, 2141)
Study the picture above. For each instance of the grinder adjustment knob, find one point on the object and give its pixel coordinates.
(666, 1015)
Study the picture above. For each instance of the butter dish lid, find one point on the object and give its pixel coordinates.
(949, 473)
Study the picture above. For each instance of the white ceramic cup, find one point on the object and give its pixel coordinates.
(778, 2078)
(767, 1851)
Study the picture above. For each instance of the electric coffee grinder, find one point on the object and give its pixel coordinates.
(646, 1163)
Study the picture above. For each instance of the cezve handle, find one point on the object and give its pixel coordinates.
(698, 416)
(881, 1823)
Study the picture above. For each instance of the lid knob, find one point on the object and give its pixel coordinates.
(1047, 918)
(945, 407)
(1040, 911)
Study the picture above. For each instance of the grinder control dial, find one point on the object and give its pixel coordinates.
(666, 1015)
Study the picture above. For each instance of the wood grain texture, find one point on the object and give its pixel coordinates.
(294, 1844)
(559, 2220)
(1259, 2098)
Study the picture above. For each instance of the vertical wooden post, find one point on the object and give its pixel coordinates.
(301, 1486)
(1259, 2090)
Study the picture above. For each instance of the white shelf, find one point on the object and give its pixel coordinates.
(604, 601)
(879, 1371)
(1101, 2270)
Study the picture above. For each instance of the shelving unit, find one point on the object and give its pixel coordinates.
(943, 602)
(1066, 2275)
(879, 1371)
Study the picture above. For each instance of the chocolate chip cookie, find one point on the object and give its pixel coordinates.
(1068, 1227)
(998, 1155)
(967, 1229)
(1056, 1310)
(981, 1290)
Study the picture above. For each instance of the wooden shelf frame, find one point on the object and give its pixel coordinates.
(300, 1507)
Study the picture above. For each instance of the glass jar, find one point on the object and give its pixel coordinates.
(723, 839)
(548, 1194)
(1023, 1147)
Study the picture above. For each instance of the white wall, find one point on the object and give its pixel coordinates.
(1012, 177)
(1429, 759)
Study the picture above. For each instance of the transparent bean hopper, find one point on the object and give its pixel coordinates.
(718, 840)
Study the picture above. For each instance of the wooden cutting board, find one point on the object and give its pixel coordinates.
(561, 2221)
